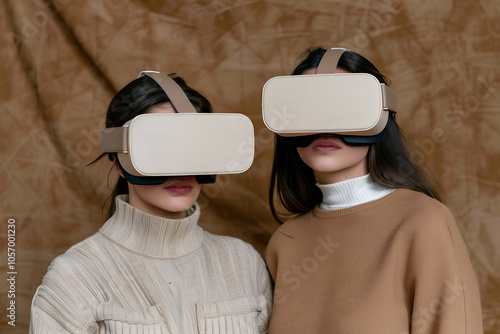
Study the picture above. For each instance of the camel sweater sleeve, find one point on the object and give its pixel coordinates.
(441, 281)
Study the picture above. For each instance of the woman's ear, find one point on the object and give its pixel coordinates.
(114, 158)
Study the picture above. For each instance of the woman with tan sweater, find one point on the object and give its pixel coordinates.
(371, 248)
(151, 268)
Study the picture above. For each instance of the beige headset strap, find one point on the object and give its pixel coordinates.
(115, 140)
(176, 95)
(389, 98)
(329, 61)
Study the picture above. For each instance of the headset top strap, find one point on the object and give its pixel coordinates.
(172, 89)
(328, 63)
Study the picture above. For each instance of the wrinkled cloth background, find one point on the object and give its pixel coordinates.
(63, 60)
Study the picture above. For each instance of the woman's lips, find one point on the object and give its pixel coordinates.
(179, 187)
(325, 145)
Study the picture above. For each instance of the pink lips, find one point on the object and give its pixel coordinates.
(325, 145)
(179, 187)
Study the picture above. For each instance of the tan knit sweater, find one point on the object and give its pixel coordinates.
(145, 274)
(396, 265)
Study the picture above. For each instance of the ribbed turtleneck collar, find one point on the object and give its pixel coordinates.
(351, 192)
(151, 235)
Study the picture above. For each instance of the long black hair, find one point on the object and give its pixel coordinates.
(389, 160)
(136, 98)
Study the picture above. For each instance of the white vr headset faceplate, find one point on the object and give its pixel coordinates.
(341, 103)
(183, 144)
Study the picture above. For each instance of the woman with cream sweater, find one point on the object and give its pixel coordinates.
(151, 268)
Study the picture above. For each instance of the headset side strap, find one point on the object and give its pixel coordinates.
(114, 140)
(329, 61)
(389, 98)
(174, 92)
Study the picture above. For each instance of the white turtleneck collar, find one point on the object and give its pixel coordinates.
(151, 235)
(351, 192)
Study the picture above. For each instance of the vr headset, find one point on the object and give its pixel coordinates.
(354, 106)
(152, 147)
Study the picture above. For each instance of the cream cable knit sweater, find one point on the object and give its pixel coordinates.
(145, 274)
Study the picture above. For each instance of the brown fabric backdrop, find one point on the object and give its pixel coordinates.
(63, 60)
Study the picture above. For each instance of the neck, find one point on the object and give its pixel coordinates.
(341, 175)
